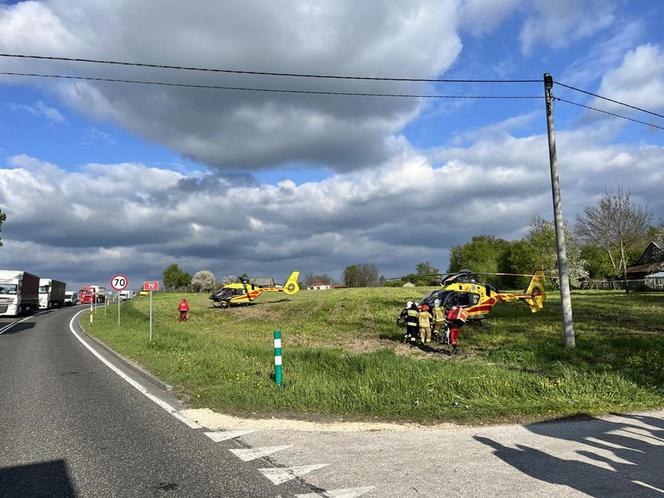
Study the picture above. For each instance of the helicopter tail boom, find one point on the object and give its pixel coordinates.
(533, 296)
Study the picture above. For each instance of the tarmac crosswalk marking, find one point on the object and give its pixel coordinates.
(218, 436)
(249, 454)
(338, 493)
(281, 475)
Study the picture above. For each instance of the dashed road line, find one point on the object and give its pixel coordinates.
(249, 454)
(218, 436)
(280, 475)
(139, 387)
(339, 493)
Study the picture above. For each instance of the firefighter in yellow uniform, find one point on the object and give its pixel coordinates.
(438, 322)
(424, 321)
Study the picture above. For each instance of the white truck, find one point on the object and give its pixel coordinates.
(71, 298)
(51, 293)
(19, 292)
(100, 293)
(126, 295)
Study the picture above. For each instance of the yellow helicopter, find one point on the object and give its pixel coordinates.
(463, 289)
(244, 292)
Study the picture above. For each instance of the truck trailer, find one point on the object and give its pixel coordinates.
(19, 292)
(51, 293)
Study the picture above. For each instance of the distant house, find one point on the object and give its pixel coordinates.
(262, 281)
(315, 286)
(651, 261)
(655, 280)
(409, 284)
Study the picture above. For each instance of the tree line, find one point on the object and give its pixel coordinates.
(603, 242)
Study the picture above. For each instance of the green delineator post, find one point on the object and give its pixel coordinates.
(278, 368)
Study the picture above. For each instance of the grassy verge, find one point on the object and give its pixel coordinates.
(343, 357)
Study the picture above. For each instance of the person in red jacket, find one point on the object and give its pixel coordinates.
(183, 308)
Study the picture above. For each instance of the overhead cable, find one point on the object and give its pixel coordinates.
(265, 73)
(608, 99)
(266, 90)
(610, 113)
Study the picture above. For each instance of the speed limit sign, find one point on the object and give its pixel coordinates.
(119, 282)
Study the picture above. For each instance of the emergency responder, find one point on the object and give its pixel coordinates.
(457, 317)
(439, 329)
(183, 309)
(424, 322)
(411, 322)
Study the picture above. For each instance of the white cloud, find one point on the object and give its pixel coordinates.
(138, 219)
(94, 134)
(483, 16)
(40, 109)
(235, 130)
(639, 80)
(557, 23)
(604, 55)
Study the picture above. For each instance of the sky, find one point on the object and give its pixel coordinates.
(98, 178)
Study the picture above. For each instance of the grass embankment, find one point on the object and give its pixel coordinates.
(343, 356)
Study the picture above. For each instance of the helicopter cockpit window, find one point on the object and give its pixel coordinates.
(437, 294)
(463, 299)
(225, 293)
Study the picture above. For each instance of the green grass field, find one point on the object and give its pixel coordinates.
(343, 357)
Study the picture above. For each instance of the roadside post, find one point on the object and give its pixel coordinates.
(92, 310)
(119, 282)
(151, 285)
(278, 367)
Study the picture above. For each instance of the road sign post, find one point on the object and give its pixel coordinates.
(151, 285)
(119, 283)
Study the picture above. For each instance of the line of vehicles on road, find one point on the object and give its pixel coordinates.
(22, 292)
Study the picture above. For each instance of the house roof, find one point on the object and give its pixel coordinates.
(647, 268)
(659, 274)
(262, 281)
(651, 254)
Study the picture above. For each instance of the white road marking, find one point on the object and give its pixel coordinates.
(650, 486)
(339, 493)
(10, 325)
(224, 435)
(131, 381)
(249, 454)
(281, 475)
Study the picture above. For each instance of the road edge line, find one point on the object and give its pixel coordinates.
(127, 362)
(136, 385)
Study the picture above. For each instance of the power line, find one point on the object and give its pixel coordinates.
(608, 99)
(264, 73)
(610, 113)
(267, 90)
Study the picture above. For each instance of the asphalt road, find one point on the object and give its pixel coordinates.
(69, 426)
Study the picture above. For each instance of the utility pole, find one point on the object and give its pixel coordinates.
(565, 296)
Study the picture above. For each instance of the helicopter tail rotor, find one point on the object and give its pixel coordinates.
(536, 292)
(291, 287)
